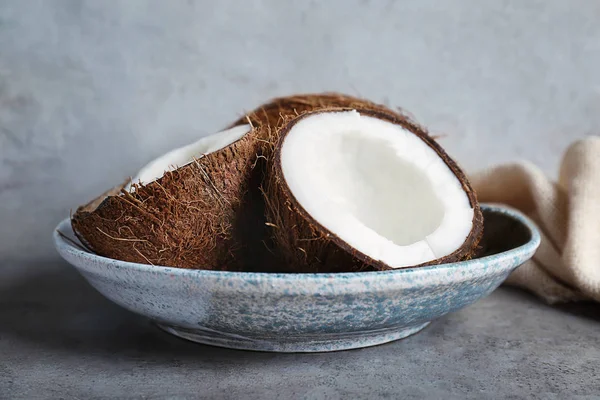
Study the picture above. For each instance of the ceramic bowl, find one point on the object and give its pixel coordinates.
(306, 312)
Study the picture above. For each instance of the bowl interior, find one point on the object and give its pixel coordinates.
(502, 232)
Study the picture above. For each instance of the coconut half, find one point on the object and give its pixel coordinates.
(360, 189)
(180, 210)
(185, 155)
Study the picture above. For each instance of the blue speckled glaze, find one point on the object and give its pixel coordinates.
(296, 312)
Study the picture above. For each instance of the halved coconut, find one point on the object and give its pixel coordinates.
(181, 210)
(358, 189)
(267, 121)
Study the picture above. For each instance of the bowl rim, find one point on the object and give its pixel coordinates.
(64, 245)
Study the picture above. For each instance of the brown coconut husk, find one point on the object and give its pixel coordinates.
(306, 246)
(269, 118)
(187, 218)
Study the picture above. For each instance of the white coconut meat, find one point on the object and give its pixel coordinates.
(377, 186)
(182, 156)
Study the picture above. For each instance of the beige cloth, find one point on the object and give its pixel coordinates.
(566, 266)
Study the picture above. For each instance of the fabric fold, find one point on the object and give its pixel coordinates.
(566, 267)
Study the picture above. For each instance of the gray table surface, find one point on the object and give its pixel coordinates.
(60, 338)
(90, 91)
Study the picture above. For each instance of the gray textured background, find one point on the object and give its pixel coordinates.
(91, 90)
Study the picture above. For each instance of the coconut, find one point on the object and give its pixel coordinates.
(267, 120)
(366, 189)
(216, 203)
(181, 210)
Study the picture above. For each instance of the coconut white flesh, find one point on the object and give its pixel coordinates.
(182, 156)
(377, 186)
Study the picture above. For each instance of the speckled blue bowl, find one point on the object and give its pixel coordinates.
(306, 312)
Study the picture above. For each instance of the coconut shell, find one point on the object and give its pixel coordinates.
(269, 118)
(188, 218)
(307, 246)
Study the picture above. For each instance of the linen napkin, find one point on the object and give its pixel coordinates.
(566, 266)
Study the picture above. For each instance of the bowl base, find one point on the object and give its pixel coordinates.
(294, 344)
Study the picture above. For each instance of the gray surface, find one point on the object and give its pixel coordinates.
(58, 337)
(90, 91)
